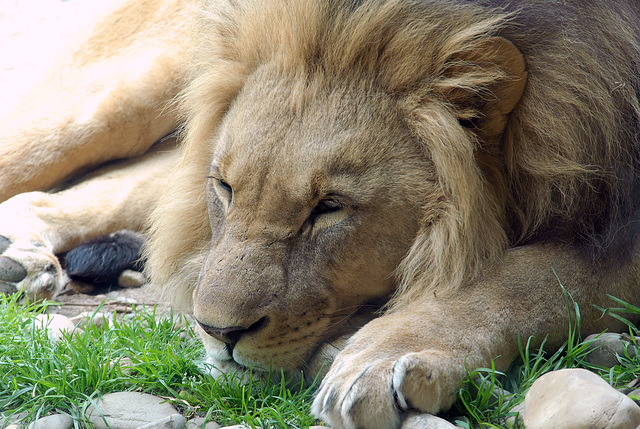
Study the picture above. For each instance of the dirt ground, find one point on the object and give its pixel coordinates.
(121, 300)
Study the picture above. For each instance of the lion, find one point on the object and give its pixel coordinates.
(462, 166)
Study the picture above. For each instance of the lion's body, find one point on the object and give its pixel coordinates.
(454, 159)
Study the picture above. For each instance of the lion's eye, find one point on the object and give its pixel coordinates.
(325, 207)
(224, 185)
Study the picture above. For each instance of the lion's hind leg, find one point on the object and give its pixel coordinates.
(37, 226)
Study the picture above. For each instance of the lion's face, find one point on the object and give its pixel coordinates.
(311, 210)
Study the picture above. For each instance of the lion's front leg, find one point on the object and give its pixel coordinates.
(416, 356)
(393, 365)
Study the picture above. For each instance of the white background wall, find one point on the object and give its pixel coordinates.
(32, 32)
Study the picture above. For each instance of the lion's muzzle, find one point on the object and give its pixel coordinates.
(258, 304)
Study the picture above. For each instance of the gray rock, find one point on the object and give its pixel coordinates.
(198, 423)
(54, 421)
(175, 421)
(513, 420)
(425, 421)
(12, 419)
(577, 398)
(10, 270)
(129, 410)
(605, 348)
(634, 394)
(7, 289)
(235, 427)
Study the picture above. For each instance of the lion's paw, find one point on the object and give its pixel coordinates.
(29, 266)
(363, 390)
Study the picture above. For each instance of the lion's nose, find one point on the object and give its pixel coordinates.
(231, 335)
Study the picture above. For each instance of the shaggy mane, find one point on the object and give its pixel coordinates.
(559, 170)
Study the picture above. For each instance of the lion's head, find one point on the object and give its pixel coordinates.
(309, 184)
(311, 211)
(336, 154)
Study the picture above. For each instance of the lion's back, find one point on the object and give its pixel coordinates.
(572, 148)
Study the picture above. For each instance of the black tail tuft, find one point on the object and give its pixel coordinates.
(101, 260)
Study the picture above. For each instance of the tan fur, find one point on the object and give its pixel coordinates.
(451, 162)
(221, 64)
(525, 165)
(89, 109)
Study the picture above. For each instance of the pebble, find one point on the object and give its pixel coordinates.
(56, 324)
(131, 278)
(131, 410)
(97, 319)
(54, 421)
(577, 398)
(606, 347)
(198, 423)
(81, 287)
(425, 421)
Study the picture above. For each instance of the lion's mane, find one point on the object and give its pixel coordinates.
(565, 167)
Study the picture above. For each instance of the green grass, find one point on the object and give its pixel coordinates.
(162, 356)
(489, 399)
(144, 353)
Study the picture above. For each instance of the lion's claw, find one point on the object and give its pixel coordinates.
(365, 390)
(356, 399)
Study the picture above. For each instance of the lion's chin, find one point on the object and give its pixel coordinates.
(243, 374)
(219, 363)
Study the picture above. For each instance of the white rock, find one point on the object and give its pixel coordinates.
(425, 421)
(54, 421)
(56, 324)
(175, 421)
(577, 399)
(198, 423)
(129, 410)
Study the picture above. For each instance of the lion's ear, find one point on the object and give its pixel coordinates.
(487, 83)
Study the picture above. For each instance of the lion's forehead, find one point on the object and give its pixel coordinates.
(338, 140)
